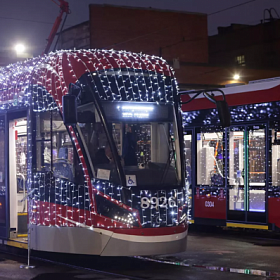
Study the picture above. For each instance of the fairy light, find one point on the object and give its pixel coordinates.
(39, 84)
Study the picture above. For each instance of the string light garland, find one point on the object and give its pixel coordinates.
(38, 84)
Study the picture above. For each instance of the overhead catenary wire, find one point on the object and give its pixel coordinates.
(144, 35)
(29, 20)
(229, 8)
(135, 38)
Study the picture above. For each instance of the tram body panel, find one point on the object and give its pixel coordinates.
(131, 245)
(97, 241)
(211, 207)
(72, 240)
(273, 211)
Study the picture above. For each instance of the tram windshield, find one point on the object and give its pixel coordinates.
(145, 135)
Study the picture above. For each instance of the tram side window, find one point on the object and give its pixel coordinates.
(256, 157)
(275, 153)
(236, 158)
(56, 153)
(210, 158)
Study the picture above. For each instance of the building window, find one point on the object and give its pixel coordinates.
(240, 60)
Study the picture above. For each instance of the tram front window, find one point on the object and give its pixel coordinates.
(147, 151)
(146, 141)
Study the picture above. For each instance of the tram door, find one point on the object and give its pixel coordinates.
(247, 174)
(188, 158)
(18, 177)
(3, 192)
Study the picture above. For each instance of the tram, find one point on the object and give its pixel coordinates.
(91, 154)
(234, 173)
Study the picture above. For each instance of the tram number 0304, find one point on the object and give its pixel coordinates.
(155, 202)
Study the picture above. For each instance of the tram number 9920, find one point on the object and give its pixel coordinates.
(155, 202)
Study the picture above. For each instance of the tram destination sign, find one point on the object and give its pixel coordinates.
(137, 111)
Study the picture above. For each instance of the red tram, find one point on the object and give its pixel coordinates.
(112, 180)
(234, 173)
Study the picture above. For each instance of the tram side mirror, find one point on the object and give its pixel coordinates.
(69, 109)
(223, 112)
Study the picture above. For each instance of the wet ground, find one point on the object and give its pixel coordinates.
(210, 255)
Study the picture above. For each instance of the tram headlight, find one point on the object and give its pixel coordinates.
(111, 210)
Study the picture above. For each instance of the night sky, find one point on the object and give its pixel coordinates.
(30, 21)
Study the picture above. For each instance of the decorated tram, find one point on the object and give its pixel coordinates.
(234, 173)
(91, 154)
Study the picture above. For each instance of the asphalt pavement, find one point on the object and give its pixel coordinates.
(210, 255)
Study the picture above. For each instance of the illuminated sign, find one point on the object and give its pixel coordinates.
(137, 111)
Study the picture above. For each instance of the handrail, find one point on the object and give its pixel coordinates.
(23, 179)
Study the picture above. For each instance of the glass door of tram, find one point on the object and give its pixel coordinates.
(3, 191)
(18, 176)
(188, 148)
(247, 174)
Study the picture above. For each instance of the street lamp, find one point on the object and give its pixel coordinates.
(236, 77)
(20, 48)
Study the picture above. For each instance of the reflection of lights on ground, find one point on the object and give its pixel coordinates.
(182, 262)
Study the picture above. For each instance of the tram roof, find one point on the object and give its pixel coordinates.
(55, 71)
(262, 91)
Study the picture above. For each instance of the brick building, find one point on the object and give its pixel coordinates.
(256, 46)
(158, 32)
(179, 37)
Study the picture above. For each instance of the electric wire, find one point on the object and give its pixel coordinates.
(232, 7)
(135, 38)
(29, 20)
(210, 14)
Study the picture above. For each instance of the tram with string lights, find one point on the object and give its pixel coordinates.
(234, 173)
(91, 154)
